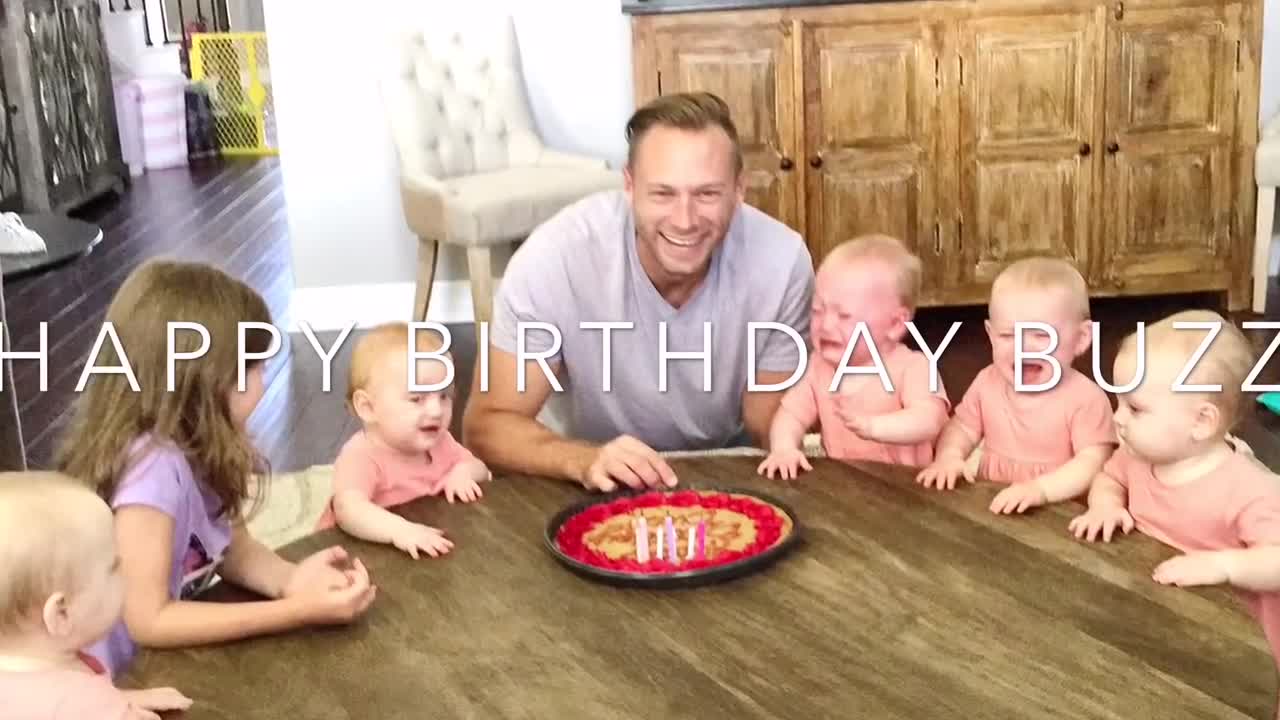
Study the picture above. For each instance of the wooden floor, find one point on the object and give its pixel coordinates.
(233, 215)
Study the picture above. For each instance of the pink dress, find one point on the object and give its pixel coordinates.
(387, 479)
(1234, 506)
(810, 400)
(1027, 434)
(62, 694)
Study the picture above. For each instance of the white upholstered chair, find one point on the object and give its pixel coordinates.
(1267, 174)
(474, 171)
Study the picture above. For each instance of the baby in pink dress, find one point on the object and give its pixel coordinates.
(1180, 478)
(404, 449)
(1047, 434)
(60, 592)
(871, 281)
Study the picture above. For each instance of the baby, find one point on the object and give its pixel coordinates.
(872, 280)
(1180, 478)
(60, 591)
(1047, 444)
(404, 450)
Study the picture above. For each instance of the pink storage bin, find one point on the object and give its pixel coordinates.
(153, 120)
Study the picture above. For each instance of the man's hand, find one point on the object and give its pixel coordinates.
(630, 462)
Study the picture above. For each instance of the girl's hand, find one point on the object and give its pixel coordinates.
(412, 537)
(1103, 519)
(145, 703)
(943, 473)
(463, 483)
(325, 570)
(339, 606)
(786, 461)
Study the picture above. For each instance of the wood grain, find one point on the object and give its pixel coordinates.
(899, 602)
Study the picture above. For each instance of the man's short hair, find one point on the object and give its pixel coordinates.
(686, 111)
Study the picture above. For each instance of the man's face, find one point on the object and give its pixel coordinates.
(684, 191)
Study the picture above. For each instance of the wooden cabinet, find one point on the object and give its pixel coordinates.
(1118, 135)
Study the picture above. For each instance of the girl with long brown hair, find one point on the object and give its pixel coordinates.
(164, 442)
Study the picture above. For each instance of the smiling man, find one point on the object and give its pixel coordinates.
(676, 264)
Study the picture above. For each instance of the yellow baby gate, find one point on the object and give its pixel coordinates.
(235, 69)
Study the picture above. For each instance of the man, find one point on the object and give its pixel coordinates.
(675, 246)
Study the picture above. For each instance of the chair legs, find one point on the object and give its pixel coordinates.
(427, 254)
(1262, 246)
(481, 271)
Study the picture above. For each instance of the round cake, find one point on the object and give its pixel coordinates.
(723, 527)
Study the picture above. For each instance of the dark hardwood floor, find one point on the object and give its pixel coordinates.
(233, 215)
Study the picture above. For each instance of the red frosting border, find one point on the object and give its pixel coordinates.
(766, 517)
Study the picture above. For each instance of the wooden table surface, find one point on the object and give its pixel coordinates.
(900, 602)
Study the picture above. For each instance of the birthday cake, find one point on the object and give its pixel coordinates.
(663, 532)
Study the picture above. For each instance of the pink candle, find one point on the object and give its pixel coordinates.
(702, 540)
(642, 540)
(690, 545)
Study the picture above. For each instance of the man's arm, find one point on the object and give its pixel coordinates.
(500, 427)
(759, 407)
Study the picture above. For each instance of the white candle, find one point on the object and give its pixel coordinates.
(688, 554)
(658, 544)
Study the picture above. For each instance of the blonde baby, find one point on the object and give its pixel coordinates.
(60, 591)
(1047, 434)
(404, 449)
(872, 280)
(1179, 477)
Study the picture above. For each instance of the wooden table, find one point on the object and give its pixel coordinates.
(901, 602)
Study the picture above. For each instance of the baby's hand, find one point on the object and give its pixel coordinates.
(146, 703)
(463, 482)
(1104, 519)
(1018, 497)
(786, 461)
(1198, 568)
(943, 473)
(861, 425)
(412, 537)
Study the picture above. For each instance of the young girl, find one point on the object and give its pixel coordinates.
(404, 449)
(873, 280)
(175, 467)
(1180, 478)
(1047, 444)
(60, 589)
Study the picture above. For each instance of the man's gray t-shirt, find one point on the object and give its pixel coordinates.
(581, 267)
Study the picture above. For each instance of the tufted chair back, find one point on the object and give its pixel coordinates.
(455, 97)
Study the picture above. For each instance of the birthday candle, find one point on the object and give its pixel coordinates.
(657, 532)
(702, 540)
(671, 539)
(642, 540)
(688, 554)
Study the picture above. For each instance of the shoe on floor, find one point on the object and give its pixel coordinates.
(18, 239)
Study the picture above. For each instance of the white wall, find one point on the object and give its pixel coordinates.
(336, 156)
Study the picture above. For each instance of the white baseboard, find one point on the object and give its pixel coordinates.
(1273, 267)
(336, 307)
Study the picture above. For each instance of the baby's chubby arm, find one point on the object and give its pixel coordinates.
(786, 454)
(357, 515)
(1069, 481)
(955, 444)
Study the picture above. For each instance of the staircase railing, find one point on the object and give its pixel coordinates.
(205, 15)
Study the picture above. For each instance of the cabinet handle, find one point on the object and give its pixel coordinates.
(815, 161)
(1119, 10)
(1113, 147)
(786, 163)
(1085, 149)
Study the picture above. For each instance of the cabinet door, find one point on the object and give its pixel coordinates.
(750, 66)
(872, 135)
(1171, 77)
(91, 92)
(56, 113)
(1028, 130)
